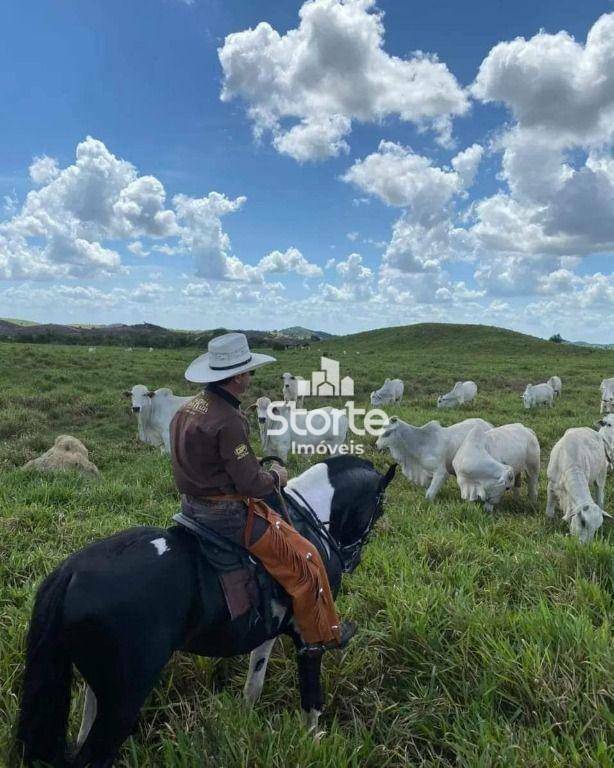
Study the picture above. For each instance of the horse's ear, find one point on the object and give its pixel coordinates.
(388, 476)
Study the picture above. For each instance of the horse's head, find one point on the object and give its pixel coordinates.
(357, 504)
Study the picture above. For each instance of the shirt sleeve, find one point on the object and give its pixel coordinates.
(240, 462)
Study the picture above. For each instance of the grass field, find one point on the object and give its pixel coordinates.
(485, 640)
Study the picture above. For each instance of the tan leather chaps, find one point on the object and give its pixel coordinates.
(295, 563)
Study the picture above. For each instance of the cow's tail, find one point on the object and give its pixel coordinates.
(45, 698)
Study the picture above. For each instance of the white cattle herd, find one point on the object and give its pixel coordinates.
(487, 461)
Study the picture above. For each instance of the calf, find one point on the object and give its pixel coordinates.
(391, 391)
(426, 453)
(578, 461)
(462, 392)
(488, 463)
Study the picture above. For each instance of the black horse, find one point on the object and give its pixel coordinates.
(119, 608)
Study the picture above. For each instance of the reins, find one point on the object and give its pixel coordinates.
(347, 553)
(316, 525)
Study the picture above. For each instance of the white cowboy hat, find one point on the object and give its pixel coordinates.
(228, 355)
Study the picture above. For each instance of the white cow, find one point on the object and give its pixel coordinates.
(463, 392)
(151, 349)
(607, 396)
(300, 429)
(556, 384)
(606, 425)
(391, 391)
(426, 453)
(290, 389)
(155, 411)
(488, 463)
(578, 461)
(537, 394)
(91, 350)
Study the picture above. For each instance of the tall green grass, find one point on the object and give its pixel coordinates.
(485, 640)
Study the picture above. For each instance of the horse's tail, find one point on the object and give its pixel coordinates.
(45, 698)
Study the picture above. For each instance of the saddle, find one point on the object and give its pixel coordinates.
(246, 585)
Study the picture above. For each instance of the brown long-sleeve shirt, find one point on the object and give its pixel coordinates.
(210, 449)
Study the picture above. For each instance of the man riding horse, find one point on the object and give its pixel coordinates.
(222, 486)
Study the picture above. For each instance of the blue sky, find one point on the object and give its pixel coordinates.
(359, 183)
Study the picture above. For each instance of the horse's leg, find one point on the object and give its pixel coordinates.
(90, 708)
(114, 722)
(310, 685)
(120, 683)
(258, 660)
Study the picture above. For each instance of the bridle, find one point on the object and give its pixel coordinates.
(348, 554)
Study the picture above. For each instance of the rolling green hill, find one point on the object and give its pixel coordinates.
(485, 641)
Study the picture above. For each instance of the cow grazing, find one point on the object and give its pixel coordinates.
(556, 384)
(462, 392)
(607, 396)
(537, 394)
(66, 453)
(488, 463)
(390, 392)
(578, 461)
(301, 430)
(426, 453)
(290, 389)
(91, 350)
(155, 411)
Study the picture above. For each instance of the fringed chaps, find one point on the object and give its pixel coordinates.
(295, 563)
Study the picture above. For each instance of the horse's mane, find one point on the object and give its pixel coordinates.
(345, 462)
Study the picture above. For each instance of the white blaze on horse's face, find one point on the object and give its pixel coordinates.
(316, 487)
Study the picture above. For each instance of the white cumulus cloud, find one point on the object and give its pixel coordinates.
(328, 71)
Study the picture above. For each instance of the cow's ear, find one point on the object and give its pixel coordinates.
(151, 394)
(126, 393)
(607, 514)
(394, 419)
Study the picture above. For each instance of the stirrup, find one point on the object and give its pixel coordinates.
(348, 630)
